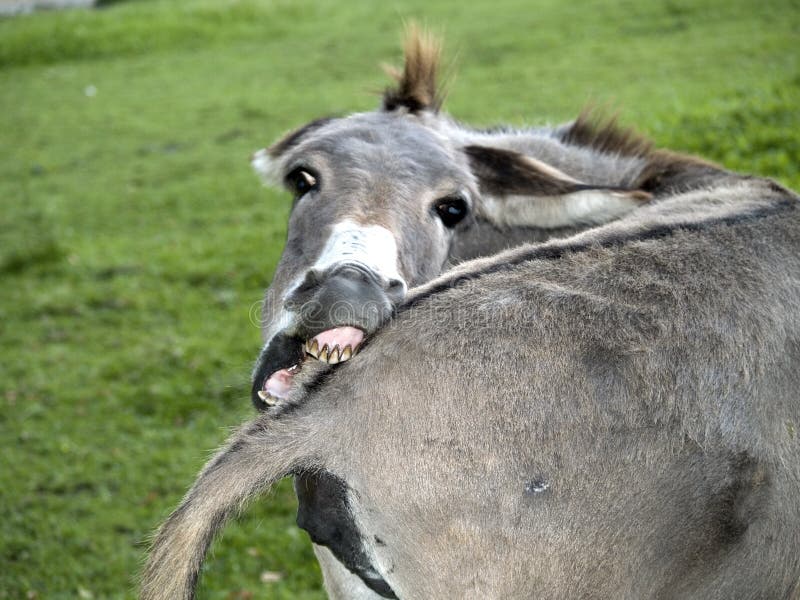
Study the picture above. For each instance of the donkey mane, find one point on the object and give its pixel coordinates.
(417, 88)
(605, 135)
(663, 172)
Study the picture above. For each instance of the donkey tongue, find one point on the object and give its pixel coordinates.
(335, 345)
(277, 386)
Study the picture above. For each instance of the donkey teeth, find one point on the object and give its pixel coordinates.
(312, 348)
(267, 398)
(350, 351)
(323, 354)
(331, 356)
(346, 354)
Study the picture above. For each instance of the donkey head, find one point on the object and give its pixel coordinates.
(384, 200)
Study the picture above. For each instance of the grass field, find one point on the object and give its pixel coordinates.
(134, 240)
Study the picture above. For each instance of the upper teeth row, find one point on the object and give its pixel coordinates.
(328, 355)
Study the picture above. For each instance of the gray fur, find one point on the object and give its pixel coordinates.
(612, 414)
(388, 169)
(618, 422)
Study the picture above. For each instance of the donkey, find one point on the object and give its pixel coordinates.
(608, 416)
(388, 199)
(611, 414)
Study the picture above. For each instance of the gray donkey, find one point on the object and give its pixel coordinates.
(388, 199)
(608, 415)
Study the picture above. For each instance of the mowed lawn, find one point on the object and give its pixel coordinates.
(135, 242)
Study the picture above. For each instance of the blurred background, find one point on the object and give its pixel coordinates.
(135, 242)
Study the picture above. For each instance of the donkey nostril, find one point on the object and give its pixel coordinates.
(311, 279)
(304, 290)
(396, 289)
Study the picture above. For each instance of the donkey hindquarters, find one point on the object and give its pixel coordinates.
(612, 415)
(609, 416)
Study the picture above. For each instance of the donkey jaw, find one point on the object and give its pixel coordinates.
(332, 356)
(278, 385)
(332, 347)
(335, 345)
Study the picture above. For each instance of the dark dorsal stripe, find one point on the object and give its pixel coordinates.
(551, 251)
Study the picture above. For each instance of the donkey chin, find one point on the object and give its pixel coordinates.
(331, 315)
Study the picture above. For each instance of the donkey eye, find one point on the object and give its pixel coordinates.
(451, 210)
(301, 181)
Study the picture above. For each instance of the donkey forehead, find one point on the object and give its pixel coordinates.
(380, 145)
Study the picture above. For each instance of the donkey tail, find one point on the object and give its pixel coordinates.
(255, 457)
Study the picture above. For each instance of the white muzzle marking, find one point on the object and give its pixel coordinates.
(371, 246)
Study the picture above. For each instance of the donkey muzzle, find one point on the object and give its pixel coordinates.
(333, 310)
(344, 294)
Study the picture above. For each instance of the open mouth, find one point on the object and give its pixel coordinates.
(332, 346)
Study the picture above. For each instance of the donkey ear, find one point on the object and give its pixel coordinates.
(267, 161)
(266, 167)
(417, 88)
(521, 191)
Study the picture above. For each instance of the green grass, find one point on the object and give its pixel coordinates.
(134, 239)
